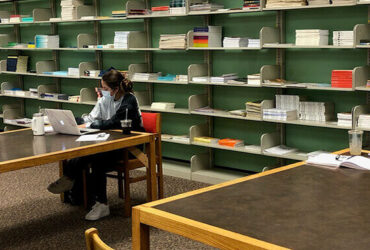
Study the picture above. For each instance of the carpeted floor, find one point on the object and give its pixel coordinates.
(33, 218)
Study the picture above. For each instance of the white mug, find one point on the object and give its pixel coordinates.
(38, 124)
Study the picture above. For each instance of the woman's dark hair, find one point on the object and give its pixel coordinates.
(114, 79)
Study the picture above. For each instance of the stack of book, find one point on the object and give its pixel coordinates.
(17, 64)
(344, 119)
(316, 111)
(341, 78)
(182, 78)
(254, 43)
(205, 7)
(145, 76)
(161, 10)
(45, 41)
(201, 79)
(318, 2)
(177, 41)
(69, 9)
(224, 78)
(138, 12)
(118, 13)
(231, 142)
(210, 36)
(254, 109)
(284, 3)
(20, 18)
(364, 121)
(163, 105)
(343, 38)
(235, 42)
(311, 37)
(343, 2)
(206, 139)
(280, 114)
(254, 79)
(251, 4)
(73, 71)
(287, 102)
(121, 39)
(177, 7)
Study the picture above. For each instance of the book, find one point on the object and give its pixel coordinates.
(336, 161)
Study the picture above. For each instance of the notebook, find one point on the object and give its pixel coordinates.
(336, 161)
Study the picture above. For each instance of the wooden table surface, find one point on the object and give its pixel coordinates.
(297, 207)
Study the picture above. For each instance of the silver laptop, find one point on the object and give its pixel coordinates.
(64, 122)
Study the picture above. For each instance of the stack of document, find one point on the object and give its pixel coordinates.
(280, 150)
(316, 111)
(182, 78)
(177, 41)
(235, 42)
(120, 39)
(318, 2)
(344, 119)
(311, 37)
(343, 38)
(45, 41)
(231, 142)
(206, 109)
(161, 10)
(238, 81)
(20, 18)
(69, 8)
(206, 139)
(145, 76)
(118, 13)
(341, 79)
(4, 20)
(336, 161)
(224, 78)
(238, 112)
(210, 36)
(163, 105)
(254, 109)
(251, 4)
(202, 79)
(280, 114)
(254, 43)
(205, 7)
(287, 102)
(177, 7)
(254, 79)
(73, 71)
(343, 2)
(284, 3)
(364, 121)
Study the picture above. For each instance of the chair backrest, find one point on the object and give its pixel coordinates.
(93, 241)
(152, 122)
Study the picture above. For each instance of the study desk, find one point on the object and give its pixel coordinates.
(21, 149)
(297, 206)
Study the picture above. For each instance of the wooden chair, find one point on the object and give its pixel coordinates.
(152, 124)
(93, 241)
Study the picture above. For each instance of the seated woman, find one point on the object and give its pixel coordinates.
(108, 112)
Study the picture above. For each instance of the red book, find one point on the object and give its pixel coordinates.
(160, 8)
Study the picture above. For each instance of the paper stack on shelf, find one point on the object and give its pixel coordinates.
(316, 111)
(177, 7)
(280, 114)
(4, 20)
(342, 2)
(254, 79)
(210, 36)
(182, 78)
(224, 78)
(176, 41)
(343, 38)
(254, 109)
(364, 121)
(74, 98)
(238, 112)
(318, 2)
(161, 10)
(251, 4)
(238, 81)
(163, 105)
(19, 18)
(120, 39)
(341, 78)
(206, 139)
(284, 3)
(235, 42)
(73, 71)
(22, 64)
(231, 142)
(118, 13)
(312, 37)
(344, 119)
(280, 150)
(254, 43)
(34, 92)
(45, 41)
(278, 82)
(138, 12)
(145, 76)
(69, 9)
(202, 79)
(288, 102)
(206, 110)
(205, 7)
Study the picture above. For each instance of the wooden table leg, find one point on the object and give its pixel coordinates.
(140, 232)
(152, 173)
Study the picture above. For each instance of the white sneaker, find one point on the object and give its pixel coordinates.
(99, 210)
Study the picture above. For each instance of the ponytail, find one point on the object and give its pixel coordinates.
(127, 85)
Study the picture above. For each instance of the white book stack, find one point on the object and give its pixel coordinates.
(280, 114)
(45, 41)
(254, 80)
(145, 76)
(284, 3)
(121, 39)
(224, 78)
(201, 79)
(343, 38)
(235, 42)
(206, 7)
(73, 71)
(69, 9)
(318, 2)
(177, 41)
(344, 119)
(364, 121)
(254, 43)
(312, 37)
(178, 10)
(343, 2)
(287, 102)
(316, 111)
(182, 78)
(163, 105)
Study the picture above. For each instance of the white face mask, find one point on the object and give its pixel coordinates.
(106, 93)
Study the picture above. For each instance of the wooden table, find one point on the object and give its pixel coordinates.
(20, 149)
(296, 206)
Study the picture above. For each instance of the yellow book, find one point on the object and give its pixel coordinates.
(200, 44)
(205, 139)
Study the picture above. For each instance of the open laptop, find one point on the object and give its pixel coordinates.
(64, 122)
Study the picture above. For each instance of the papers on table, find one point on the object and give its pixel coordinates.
(94, 137)
(335, 161)
(312, 37)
